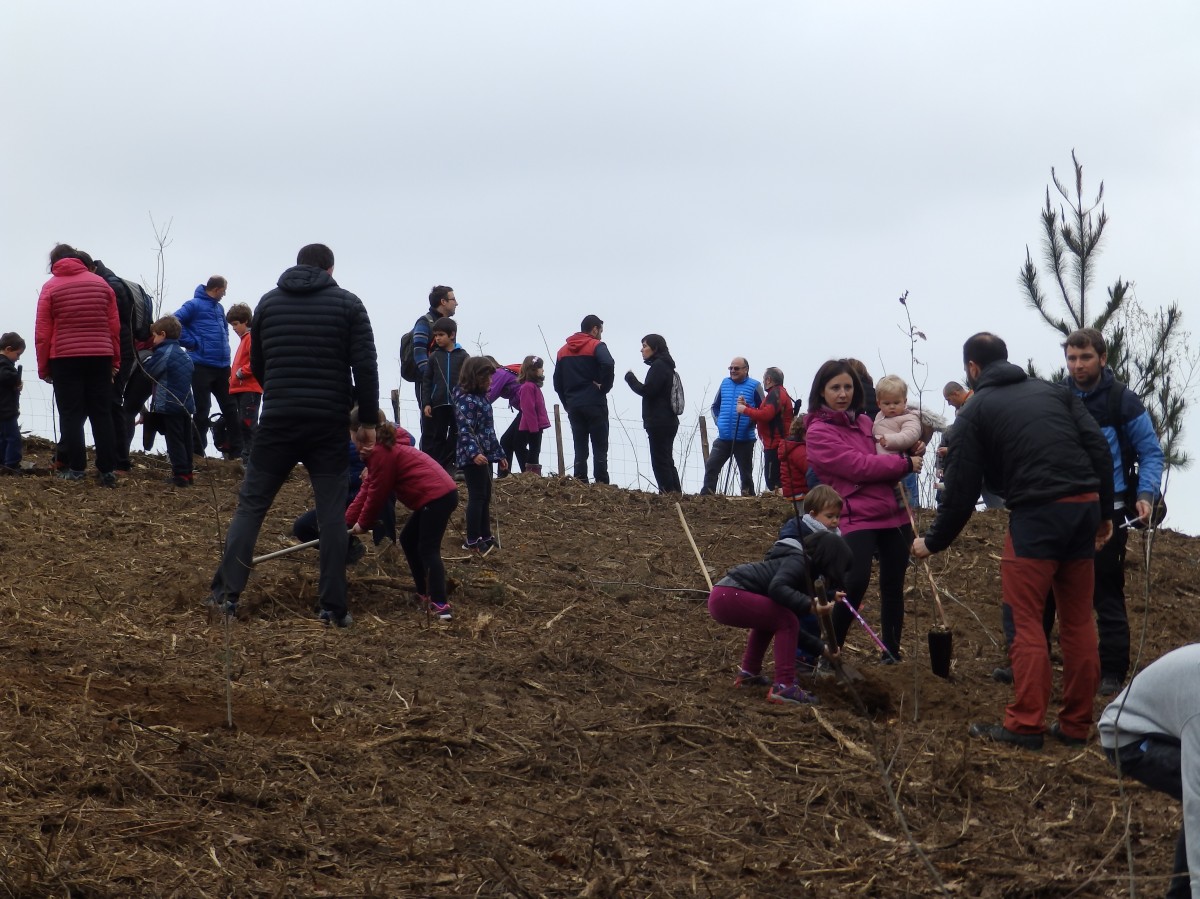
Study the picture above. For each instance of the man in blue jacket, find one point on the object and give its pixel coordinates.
(1093, 382)
(206, 337)
(735, 432)
(583, 375)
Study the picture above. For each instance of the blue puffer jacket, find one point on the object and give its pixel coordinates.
(171, 369)
(730, 425)
(205, 332)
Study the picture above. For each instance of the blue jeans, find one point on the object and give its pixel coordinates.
(10, 442)
(278, 446)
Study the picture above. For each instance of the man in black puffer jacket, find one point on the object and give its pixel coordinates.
(313, 351)
(1040, 448)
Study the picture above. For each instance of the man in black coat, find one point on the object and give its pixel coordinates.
(313, 351)
(1042, 450)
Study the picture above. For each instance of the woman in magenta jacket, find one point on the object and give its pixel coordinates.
(77, 335)
(841, 450)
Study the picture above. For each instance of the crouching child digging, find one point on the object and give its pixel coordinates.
(422, 485)
(769, 598)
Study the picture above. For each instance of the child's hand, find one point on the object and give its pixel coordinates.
(357, 529)
(882, 438)
(429, 411)
(822, 608)
(504, 465)
(480, 459)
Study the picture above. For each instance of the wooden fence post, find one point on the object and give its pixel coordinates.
(562, 459)
(704, 438)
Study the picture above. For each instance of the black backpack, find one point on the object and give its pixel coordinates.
(141, 315)
(409, 370)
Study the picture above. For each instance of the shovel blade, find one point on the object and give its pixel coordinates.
(941, 651)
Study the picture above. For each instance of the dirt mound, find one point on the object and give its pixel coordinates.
(574, 730)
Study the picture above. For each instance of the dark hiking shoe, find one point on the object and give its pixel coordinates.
(328, 617)
(69, 474)
(106, 479)
(1110, 685)
(1056, 732)
(998, 733)
(216, 604)
(1002, 675)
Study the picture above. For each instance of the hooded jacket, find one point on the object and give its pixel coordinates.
(313, 350)
(205, 331)
(76, 317)
(583, 372)
(773, 418)
(784, 576)
(656, 392)
(841, 450)
(1034, 443)
(171, 368)
(416, 478)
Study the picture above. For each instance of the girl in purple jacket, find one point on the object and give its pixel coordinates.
(532, 420)
(841, 450)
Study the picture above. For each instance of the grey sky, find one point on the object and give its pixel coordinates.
(753, 179)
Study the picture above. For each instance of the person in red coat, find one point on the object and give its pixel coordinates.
(77, 338)
(421, 484)
(244, 389)
(773, 420)
(793, 462)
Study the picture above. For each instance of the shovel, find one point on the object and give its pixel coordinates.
(288, 550)
(845, 671)
(941, 638)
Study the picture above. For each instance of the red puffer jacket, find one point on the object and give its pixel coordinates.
(76, 316)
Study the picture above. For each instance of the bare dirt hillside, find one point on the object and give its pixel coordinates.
(574, 731)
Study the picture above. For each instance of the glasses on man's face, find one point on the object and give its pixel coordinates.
(737, 368)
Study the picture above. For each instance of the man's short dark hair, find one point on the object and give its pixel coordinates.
(316, 254)
(984, 348)
(216, 282)
(1087, 337)
(438, 294)
(444, 325)
(589, 322)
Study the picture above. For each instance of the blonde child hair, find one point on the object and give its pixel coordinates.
(891, 385)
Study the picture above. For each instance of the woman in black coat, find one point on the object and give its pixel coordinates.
(659, 420)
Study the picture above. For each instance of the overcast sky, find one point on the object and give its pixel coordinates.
(746, 179)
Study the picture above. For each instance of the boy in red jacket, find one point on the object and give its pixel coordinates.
(244, 389)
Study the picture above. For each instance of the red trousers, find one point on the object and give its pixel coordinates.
(1067, 529)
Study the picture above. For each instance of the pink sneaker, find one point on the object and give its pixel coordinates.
(793, 695)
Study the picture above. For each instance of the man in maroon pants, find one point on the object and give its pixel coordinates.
(1039, 447)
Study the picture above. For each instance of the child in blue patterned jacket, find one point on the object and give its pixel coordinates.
(477, 449)
(170, 367)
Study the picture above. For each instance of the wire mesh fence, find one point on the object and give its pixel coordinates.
(628, 450)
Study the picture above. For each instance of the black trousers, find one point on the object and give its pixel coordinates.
(479, 500)
(892, 545)
(421, 540)
(662, 456)
(439, 436)
(83, 391)
(527, 446)
(742, 452)
(177, 427)
(209, 382)
(590, 425)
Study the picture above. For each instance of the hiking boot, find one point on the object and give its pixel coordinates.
(107, 479)
(70, 474)
(745, 679)
(484, 546)
(216, 604)
(440, 610)
(1056, 732)
(1110, 685)
(179, 480)
(1002, 675)
(355, 552)
(793, 695)
(998, 733)
(328, 617)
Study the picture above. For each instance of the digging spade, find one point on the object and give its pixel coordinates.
(845, 671)
(941, 638)
(287, 551)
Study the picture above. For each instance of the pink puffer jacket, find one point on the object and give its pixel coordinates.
(841, 450)
(76, 316)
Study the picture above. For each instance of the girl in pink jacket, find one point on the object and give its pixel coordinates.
(842, 452)
(532, 405)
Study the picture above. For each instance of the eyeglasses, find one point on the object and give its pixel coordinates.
(737, 368)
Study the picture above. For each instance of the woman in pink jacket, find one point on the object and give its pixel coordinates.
(77, 335)
(841, 450)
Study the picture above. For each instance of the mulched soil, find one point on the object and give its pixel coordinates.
(574, 731)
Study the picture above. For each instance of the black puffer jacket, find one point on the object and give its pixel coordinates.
(1034, 443)
(308, 337)
(783, 576)
(656, 392)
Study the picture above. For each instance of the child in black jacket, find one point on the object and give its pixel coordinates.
(11, 347)
(439, 437)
